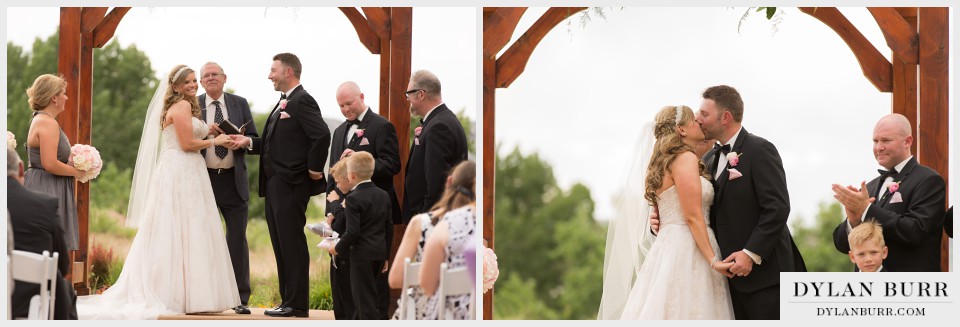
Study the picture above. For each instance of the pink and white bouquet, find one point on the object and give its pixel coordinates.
(86, 159)
(11, 140)
(490, 269)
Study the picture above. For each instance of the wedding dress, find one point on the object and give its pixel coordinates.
(675, 282)
(178, 262)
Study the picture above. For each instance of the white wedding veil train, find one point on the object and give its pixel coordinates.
(628, 233)
(147, 158)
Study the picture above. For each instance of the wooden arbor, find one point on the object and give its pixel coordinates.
(917, 78)
(384, 31)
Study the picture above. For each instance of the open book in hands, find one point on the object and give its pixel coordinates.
(229, 128)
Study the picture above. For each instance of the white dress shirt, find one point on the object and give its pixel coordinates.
(353, 128)
(431, 111)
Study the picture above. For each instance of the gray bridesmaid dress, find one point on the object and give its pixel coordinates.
(39, 180)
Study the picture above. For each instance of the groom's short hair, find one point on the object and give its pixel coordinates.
(361, 163)
(727, 98)
(290, 60)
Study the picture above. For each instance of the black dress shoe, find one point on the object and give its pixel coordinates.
(287, 312)
(241, 310)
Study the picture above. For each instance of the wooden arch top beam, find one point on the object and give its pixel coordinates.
(900, 36)
(498, 27)
(367, 36)
(874, 65)
(107, 26)
(512, 63)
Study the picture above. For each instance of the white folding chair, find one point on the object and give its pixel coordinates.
(38, 269)
(411, 279)
(454, 282)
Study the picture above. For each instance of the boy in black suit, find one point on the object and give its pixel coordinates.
(368, 220)
(340, 264)
(867, 249)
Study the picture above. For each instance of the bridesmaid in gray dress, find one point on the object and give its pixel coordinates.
(49, 149)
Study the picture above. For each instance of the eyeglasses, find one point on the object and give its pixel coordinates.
(411, 92)
(211, 75)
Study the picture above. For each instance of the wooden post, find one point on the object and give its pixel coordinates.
(69, 67)
(905, 79)
(489, 164)
(933, 131)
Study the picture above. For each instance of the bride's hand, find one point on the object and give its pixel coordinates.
(214, 129)
(723, 268)
(221, 139)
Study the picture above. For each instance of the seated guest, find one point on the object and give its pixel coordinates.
(447, 244)
(420, 228)
(36, 228)
(867, 249)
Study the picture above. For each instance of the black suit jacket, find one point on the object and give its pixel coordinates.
(948, 223)
(911, 228)
(37, 228)
(751, 212)
(369, 228)
(289, 147)
(381, 142)
(443, 145)
(238, 112)
(339, 220)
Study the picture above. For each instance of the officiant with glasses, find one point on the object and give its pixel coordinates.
(228, 170)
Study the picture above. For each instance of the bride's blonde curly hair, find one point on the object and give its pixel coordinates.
(668, 146)
(178, 76)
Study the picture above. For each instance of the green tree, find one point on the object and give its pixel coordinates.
(549, 246)
(469, 128)
(816, 241)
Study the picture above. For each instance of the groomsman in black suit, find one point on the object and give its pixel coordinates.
(750, 206)
(36, 228)
(293, 152)
(948, 222)
(365, 130)
(439, 144)
(907, 199)
(228, 171)
(369, 222)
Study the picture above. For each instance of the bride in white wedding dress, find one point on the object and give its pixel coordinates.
(680, 274)
(178, 262)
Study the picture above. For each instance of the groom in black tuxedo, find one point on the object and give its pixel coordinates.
(907, 199)
(365, 130)
(438, 145)
(228, 171)
(293, 152)
(750, 206)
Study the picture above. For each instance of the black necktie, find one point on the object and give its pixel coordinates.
(218, 118)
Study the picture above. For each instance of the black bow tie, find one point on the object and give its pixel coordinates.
(283, 96)
(725, 148)
(353, 122)
(887, 173)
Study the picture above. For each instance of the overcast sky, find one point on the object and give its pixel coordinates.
(586, 90)
(243, 41)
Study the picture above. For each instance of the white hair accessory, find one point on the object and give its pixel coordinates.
(177, 75)
(679, 114)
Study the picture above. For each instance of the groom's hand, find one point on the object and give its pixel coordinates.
(346, 153)
(315, 175)
(742, 263)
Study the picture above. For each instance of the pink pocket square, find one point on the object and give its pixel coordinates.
(896, 198)
(734, 173)
(416, 140)
(284, 115)
(364, 141)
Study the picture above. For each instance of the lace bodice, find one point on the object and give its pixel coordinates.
(669, 204)
(169, 134)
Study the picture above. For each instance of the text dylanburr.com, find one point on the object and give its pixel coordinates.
(858, 296)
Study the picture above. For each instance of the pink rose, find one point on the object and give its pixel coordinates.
(359, 133)
(893, 187)
(417, 130)
(733, 158)
(283, 104)
(490, 269)
(87, 159)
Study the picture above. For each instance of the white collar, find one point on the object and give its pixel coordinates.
(291, 90)
(733, 139)
(878, 269)
(899, 167)
(358, 184)
(431, 111)
(363, 114)
(210, 99)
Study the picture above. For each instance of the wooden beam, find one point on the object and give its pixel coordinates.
(512, 63)
(498, 27)
(379, 20)
(90, 18)
(105, 29)
(489, 164)
(68, 65)
(401, 47)
(933, 132)
(901, 37)
(905, 79)
(85, 119)
(874, 65)
(368, 38)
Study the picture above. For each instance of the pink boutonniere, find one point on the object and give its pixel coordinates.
(892, 187)
(359, 133)
(733, 158)
(283, 104)
(417, 130)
